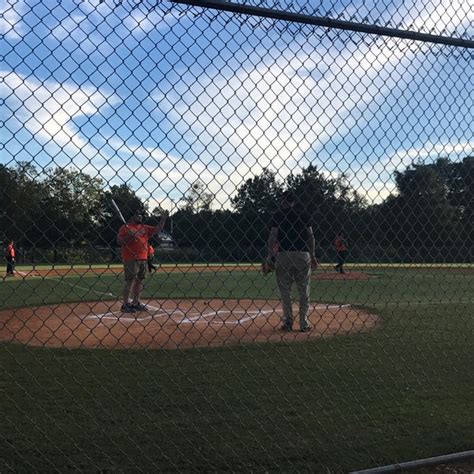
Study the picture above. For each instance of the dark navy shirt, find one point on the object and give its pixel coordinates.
(292, 229)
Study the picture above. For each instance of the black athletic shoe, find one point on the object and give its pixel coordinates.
(139, 307)
(306, 328)
(128, 308)
(286, 327)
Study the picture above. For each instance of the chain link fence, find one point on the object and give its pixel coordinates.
(238, 236)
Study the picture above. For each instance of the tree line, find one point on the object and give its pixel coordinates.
(429, 217)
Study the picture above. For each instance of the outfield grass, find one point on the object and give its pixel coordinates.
(400, 392)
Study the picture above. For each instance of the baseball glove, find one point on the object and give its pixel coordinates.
(267, 267)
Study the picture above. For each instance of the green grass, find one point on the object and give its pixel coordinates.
(400, 392)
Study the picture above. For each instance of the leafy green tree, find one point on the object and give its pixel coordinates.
(421, 219)
(259, 195)
(69, 206)
(197, 198)
(22, 196)
(458, 178)
(330, 202)
(464, 192)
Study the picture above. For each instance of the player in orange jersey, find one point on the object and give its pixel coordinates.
(341, 247)
(10, 256)
(133, 238)
(151, 255)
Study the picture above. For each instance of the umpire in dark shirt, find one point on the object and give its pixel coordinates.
(292, 230)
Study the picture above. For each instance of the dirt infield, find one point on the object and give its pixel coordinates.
(171, 324)
(94, 271)
(55, 272)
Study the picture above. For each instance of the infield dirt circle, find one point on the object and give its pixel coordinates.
(172, 324)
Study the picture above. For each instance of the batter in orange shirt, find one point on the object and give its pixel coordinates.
(133, 239)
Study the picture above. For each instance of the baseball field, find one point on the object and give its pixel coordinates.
(205, 381)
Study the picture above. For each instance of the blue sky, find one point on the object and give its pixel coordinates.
(159, 97)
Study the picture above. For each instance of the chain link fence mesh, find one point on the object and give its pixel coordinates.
(201, 121)
(434, 17)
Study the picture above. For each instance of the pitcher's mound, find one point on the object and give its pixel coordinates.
(172, 324)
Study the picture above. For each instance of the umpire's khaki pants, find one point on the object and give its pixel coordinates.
(294, 267)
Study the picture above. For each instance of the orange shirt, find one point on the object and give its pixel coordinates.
(136, 247)
(10, 252)
(340, 245)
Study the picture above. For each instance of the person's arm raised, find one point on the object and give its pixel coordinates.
(161, 224)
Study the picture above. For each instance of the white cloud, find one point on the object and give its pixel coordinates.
(68, 26)
(273, 115)
(140, 22)
(378, 191)
(47, 109)
(446, 18)
(11, 24)
(428, 150)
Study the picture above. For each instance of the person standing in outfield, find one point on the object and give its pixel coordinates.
(151, 255)
(340, 245)
(295, 259)
(10, 255)
(133, 238)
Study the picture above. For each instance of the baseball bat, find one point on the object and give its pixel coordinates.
(118, 211)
